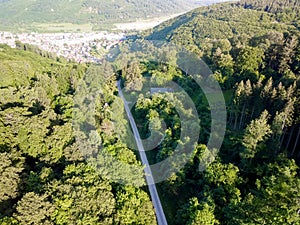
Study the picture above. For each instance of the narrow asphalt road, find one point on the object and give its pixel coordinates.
(160, 215)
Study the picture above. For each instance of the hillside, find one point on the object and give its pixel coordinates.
(253, 50)
(227, 21)
(226, 28)
(44, 178)
(275, 6)
(26, 14)
(63, 128)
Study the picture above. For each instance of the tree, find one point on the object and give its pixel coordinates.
(133, 77)
(287, 55)
(195, 213)
(82, 197)
(204, 216)
(242, 98)
(257, 131)
(10, 168)
(224, 45)
(222, 180)
(8, 221)
(273, 200)
(34, 209)
(249, 61)
(222, 59)
(222, 174)
(134, 206)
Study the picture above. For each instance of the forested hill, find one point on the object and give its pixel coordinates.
(253, 49)
(246, 18)
(248, 41)
(100, 13)
(47, 176)
(222, 33)
(274, 6)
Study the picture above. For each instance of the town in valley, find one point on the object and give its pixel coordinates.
(79, 47)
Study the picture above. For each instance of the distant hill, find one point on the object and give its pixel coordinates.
(218, 33)
(229, 20)
(101, 13)
(273, 6)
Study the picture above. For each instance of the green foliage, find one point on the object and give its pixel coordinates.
(82, 197)
(44, 178)
(8, 221)
(195, 213)
(251, 47)
(249, 61)
(274, 199)
(257, 131)
(11, 166)
(34, 209)
(133, 77)
(133, 207)
(272, 6)
(255, 56)
(235, 41)
(220, 174)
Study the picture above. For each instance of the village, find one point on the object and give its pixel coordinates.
(79, 47)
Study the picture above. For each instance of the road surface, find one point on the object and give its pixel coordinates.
(160, 215)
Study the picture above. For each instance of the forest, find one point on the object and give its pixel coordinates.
(45, 178)
(253, 50)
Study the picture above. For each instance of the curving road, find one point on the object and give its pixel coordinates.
(160, 215)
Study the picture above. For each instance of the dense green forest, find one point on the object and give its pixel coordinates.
(253, 50)
(272, 6)
(45, 178)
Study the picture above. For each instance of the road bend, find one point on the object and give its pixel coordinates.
(160, 215)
